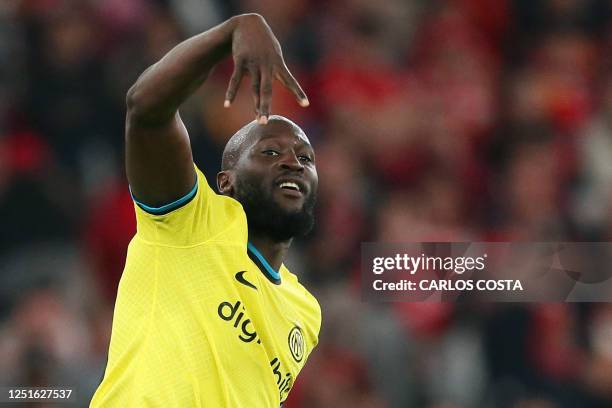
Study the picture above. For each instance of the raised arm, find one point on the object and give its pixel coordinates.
(159, 163)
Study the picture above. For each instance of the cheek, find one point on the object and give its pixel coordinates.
(255, 171)
(256, 181)
(315, 180)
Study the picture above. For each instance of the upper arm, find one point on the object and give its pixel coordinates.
(159, 162)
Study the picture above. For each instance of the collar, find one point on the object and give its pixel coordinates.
(263, 265)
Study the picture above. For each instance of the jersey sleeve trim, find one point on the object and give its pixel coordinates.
(165, 209)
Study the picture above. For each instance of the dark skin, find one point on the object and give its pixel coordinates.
(159, 162)
(275, 153)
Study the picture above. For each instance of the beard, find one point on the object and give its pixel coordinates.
(266, 217)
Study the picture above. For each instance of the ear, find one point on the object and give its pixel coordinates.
(225, 183)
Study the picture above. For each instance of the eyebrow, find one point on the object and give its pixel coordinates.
(302, 142)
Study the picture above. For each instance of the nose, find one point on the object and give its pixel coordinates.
(290, 161)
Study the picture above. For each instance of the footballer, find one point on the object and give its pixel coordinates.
(207, 314)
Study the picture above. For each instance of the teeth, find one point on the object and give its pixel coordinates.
(290, 184)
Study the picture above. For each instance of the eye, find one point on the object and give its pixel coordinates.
(270, 152)
(305, 159)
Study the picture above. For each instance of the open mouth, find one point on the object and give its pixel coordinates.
(290, 185)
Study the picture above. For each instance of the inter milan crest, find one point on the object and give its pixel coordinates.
(296, 343)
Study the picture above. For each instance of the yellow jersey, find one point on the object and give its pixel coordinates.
(201, 319)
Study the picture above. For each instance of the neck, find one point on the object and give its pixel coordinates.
(273, 251)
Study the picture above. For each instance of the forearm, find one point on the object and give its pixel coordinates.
(163, 87)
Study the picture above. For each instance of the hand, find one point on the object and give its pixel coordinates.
(257, 52)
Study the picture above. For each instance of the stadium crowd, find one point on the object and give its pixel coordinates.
(447, 120)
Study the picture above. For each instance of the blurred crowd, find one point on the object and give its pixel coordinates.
(444, 120)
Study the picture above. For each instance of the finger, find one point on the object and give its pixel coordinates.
(255, 84)
(234, 84)
(265, 95)
(285, 77)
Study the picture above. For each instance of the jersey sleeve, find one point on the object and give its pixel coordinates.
(198, 216)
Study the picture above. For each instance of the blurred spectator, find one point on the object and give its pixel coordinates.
(454, 120)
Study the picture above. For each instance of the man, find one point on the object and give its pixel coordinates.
(206, 313)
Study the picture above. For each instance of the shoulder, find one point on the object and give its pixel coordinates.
(199, 216)
(307, 298)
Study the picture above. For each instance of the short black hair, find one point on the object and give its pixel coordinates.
(237, 143)
(235, 146)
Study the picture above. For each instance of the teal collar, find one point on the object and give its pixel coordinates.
(264, 266)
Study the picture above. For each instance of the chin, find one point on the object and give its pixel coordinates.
(291, 209)
(290, 205)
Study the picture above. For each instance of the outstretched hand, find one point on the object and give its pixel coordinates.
(257, 52)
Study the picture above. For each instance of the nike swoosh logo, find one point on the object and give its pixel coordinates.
(240, 278)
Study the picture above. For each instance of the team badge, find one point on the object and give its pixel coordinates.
(296, 344)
